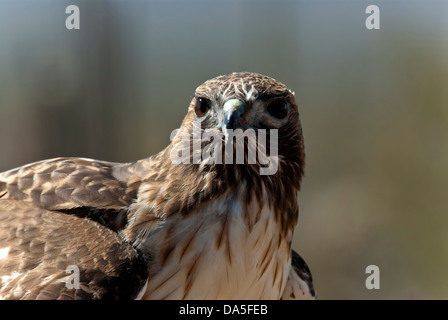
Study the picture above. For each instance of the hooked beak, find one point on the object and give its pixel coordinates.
(233, 114)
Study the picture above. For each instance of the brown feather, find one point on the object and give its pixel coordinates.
(117, 209)
(43, 244)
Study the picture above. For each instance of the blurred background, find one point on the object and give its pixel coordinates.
(373, 104)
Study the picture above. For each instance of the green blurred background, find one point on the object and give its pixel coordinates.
(373, 104)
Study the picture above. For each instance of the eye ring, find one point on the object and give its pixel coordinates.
(278, 109)
(201, 107)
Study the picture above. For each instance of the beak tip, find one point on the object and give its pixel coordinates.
(232, 120)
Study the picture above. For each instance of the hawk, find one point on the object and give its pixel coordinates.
(76, 228)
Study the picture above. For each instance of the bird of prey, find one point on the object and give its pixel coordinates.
(76, 228)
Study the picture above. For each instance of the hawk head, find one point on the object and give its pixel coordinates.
(244, 104)
(248, 102)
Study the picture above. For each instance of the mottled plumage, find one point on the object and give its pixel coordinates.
(154, 229)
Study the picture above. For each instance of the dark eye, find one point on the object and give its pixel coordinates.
(201, 107)
(278, 109)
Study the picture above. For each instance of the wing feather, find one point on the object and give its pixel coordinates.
(38, 246)
(299, 285)
(67, 183)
